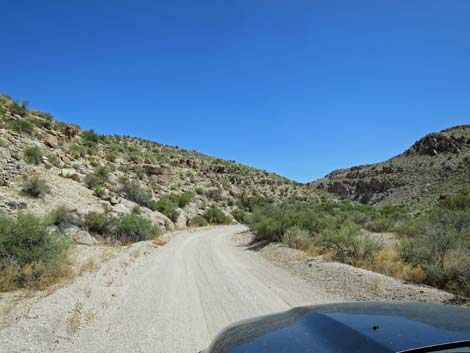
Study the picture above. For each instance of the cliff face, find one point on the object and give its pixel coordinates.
(435, 166)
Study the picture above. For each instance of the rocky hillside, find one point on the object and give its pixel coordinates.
(46, 164)
(436, 166)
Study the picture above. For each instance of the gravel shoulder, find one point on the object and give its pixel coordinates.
(177, 297)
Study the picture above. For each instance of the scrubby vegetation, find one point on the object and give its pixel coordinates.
(215, 215)
(97, 178)
(35, 186)
(198, 221)
(128, 228)
(33, 155)
(167, 206)
(30, 256)
(433, 248)
(134, 192)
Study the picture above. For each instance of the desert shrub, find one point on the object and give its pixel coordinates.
(133, 227)
(90, 138)
(111, 156)
(241, 216)
(349, 245)
(297, 238)
(21, 126)
(167, 206)
(441, 252)
(20, 109)
(198, 221)
(35, 186)
(99, 176)
(102, 223)
(30, 256)
(214, 194)
(61, 217)
(134, 192)
(215, 215)
(43, 115)
(99, 191)
(200, 191)
(54, 160)
(77, 151)
(184, 198)
(33, 155)
(459, 202)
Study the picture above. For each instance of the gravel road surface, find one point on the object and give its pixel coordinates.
(171, 299)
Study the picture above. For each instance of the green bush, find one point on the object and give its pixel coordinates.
(349, 245)
(99, 176)
(198, 221)
(99, 191)
(90, 138)
(16, 108)
(100, 223)
(21, 126)
(77, 151)
(185, 198)
(167, 206)
(214, 194)
(215, 215)
(35, 186)
(61, 217)
(241, 216)
(33, 155)
(134, 192)
(133, 228)
(30, 256)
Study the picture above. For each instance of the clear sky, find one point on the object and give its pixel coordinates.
(295, 87)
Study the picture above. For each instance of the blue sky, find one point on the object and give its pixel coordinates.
(295, 87)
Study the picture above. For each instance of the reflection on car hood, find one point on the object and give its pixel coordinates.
(348, 328)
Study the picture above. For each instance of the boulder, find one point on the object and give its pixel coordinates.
(70, 173)
(50, 141)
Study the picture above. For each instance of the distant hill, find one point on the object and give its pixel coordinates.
(88, 172)
(436, 166)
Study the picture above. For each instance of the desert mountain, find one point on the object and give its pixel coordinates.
(436, 166)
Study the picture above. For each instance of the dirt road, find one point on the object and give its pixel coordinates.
(173, 299)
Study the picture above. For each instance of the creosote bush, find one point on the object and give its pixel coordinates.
(215, 215)
(99, 176)
(167, 206)
(35, 186)
(128, 228)
(61, 217)
(198, 221)
(30, 256)
(33, 155)
(134, 192)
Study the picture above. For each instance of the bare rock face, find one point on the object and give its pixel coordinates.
(80, 236)
(71, 132)
(433, 144)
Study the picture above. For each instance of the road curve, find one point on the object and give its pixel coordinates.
(178, 298)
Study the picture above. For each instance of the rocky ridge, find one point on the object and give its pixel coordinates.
(434, 167)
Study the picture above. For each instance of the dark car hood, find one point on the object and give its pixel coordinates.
(348, 328)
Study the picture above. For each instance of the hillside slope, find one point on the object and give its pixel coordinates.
(89, 172)
(436, 166)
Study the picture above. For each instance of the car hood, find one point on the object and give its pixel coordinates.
(348, 328)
